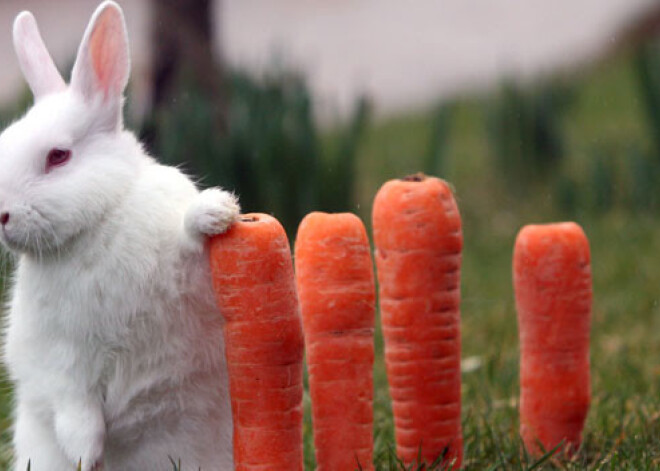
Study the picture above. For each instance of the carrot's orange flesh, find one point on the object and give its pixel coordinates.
(335, 280)
(255, 289)
(552, 280)
(418, 237)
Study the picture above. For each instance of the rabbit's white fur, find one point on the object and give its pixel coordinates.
(113, 341)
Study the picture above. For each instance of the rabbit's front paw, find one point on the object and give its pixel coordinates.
(211, 213)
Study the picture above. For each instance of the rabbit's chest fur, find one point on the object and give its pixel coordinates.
(129, 315)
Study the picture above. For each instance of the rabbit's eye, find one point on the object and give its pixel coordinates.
(57, 158)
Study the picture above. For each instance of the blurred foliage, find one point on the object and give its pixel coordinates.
(271, 154)
(530, 130)
(602, 182)
(436, 158)
(16, 109)
(566, 193)
(647, 69)
(644, 172)
(525, 130)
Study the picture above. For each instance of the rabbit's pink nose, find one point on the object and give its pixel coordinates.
(4, 218)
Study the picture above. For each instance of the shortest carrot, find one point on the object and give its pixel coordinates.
(552, 280)
(254, 284)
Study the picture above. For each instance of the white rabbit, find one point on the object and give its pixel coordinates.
(114, 342)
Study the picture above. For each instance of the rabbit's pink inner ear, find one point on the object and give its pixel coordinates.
(102, 65)
(108, 51)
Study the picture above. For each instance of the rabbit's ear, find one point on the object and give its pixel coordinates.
(102, 66)
(38, 67)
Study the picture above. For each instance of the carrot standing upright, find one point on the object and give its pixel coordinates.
(552, 280)
(255, 288)
(418, 238)
(335, 280)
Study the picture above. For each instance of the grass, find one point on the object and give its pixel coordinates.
(623, 426)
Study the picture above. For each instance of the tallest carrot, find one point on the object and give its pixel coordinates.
(418, 239)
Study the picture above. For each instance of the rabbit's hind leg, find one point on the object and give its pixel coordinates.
(35, 443)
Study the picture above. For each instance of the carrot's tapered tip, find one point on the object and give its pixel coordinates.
(413, 214)
(318, 226)
(538, 240)
(550, 229)
(417, 182)
(256, 229)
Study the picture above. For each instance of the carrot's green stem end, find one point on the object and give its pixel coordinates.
(416, 177)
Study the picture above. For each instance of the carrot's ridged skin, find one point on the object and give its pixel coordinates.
(255, 289)
(418, 237)
(552, 280)
(336, 288)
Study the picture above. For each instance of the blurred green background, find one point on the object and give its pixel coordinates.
(583, 146)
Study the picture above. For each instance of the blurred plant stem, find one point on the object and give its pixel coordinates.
(183, 54)
(525, 128)
(647, 68)
(436, 158)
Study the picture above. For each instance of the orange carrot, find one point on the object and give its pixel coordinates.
(552, 280)
(418, 238)
(336, 289)
(255, 289)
